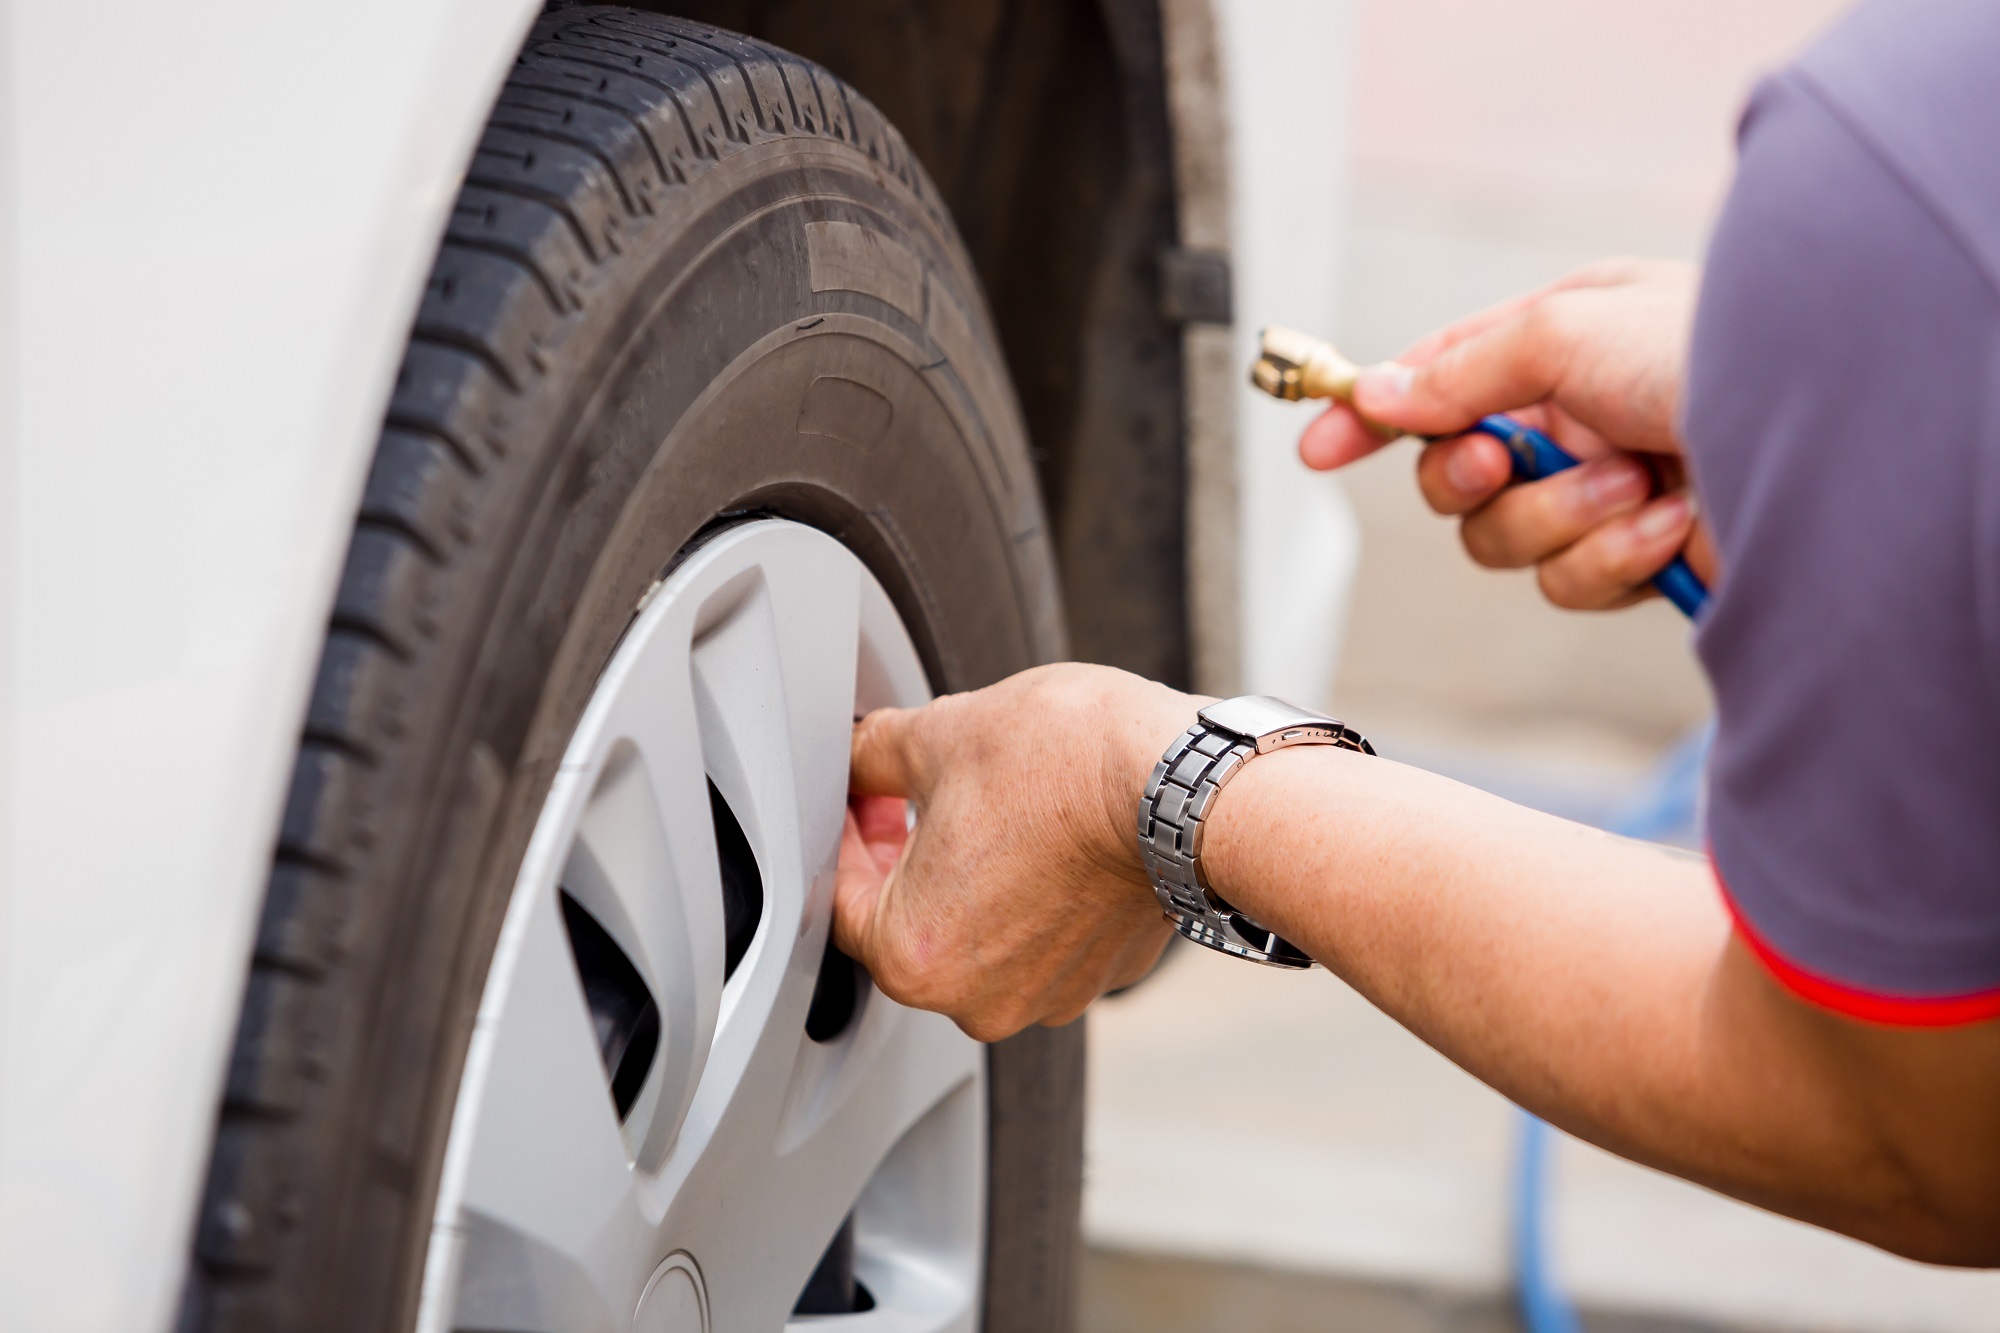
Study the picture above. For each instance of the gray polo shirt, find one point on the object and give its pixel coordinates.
(1843, 421)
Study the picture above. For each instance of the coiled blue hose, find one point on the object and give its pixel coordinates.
(1536, 456)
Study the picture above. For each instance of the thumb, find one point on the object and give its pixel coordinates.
(883, 756)
(1512, 364)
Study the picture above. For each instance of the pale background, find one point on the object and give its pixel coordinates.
(1355, 1180)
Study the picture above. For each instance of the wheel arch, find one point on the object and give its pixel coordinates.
(270, 366)
(1049, 127)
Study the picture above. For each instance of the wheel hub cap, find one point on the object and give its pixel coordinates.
(646, 1137)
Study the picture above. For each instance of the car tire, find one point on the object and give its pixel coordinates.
(691, 279)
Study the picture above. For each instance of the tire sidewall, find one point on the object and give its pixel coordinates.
(631, 447)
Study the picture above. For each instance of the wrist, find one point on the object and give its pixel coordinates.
(1138, 726)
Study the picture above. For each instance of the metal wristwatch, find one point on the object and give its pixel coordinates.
(1180, 794)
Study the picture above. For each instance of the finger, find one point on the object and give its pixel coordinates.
(1601, 273)
(1610, 565)
(1336, 438)
(1458, 475)
(1515, 362)
(1428, 347)
(884, 822)
(1531, 522)
(882, 759)
(857, 889)
(1613, 272)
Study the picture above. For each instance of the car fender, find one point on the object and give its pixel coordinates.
(218, 219)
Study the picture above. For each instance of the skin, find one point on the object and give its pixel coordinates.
(1595, 360)
(1594, 980)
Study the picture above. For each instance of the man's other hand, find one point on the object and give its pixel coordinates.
(1017, 897)
(1595, 360)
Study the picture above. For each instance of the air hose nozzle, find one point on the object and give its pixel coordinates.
(1293, 365)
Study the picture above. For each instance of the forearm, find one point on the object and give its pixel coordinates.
(1590, 978)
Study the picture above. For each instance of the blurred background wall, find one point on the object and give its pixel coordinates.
(1499, 144)
(1467, 150)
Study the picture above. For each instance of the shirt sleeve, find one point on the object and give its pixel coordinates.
(1841, 422)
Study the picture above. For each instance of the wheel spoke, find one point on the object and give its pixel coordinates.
(921, 1222)
(773, 671)
(549, 1206)
(902, 1063)
(644, 863)
(798, 1132)
(647, 821)
(790, 1183)
(775, 681)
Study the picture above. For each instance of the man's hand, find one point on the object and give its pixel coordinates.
(1596, 361)
(1018, 897)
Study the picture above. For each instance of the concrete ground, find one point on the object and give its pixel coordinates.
(1277, 1132)
(1128, 1293)
(1266, 1150)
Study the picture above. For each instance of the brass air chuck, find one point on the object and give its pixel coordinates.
(1293, 365)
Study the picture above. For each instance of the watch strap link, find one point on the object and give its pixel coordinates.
(1172, 814)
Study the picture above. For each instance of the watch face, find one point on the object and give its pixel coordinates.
(1255, 716)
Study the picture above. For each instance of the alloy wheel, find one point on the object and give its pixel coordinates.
(682, 1111)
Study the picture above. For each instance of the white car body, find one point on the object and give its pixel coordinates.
(215, 223)
(213, 262)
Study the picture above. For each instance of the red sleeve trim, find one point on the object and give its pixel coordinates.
(1909, 1011)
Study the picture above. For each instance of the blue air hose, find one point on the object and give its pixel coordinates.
(1536, 456)
(1545, 1307)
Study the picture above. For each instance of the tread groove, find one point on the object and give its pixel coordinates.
(667, 173)
(429, 430)
(501, 250)
(467, 464)
(559, 203)
(730, 129)
(626, 194)
(348, 625)
(473, 348)
(702, 146)
(749, 83)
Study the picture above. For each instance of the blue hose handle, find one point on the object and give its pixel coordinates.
(1536, 456)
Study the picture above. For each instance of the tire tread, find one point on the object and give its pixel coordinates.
(606, 114)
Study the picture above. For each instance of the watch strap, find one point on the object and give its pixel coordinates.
(1172, 814)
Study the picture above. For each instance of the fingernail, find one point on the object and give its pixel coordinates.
(1462, 470)
(1613, 483)
(1666, 517)
(1385, 382)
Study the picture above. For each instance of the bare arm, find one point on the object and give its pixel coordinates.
(1592, 979)
(1596, 981)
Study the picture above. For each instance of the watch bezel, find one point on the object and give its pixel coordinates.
(1271, 723)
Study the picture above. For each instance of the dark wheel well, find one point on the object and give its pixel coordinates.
(1044, 124)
